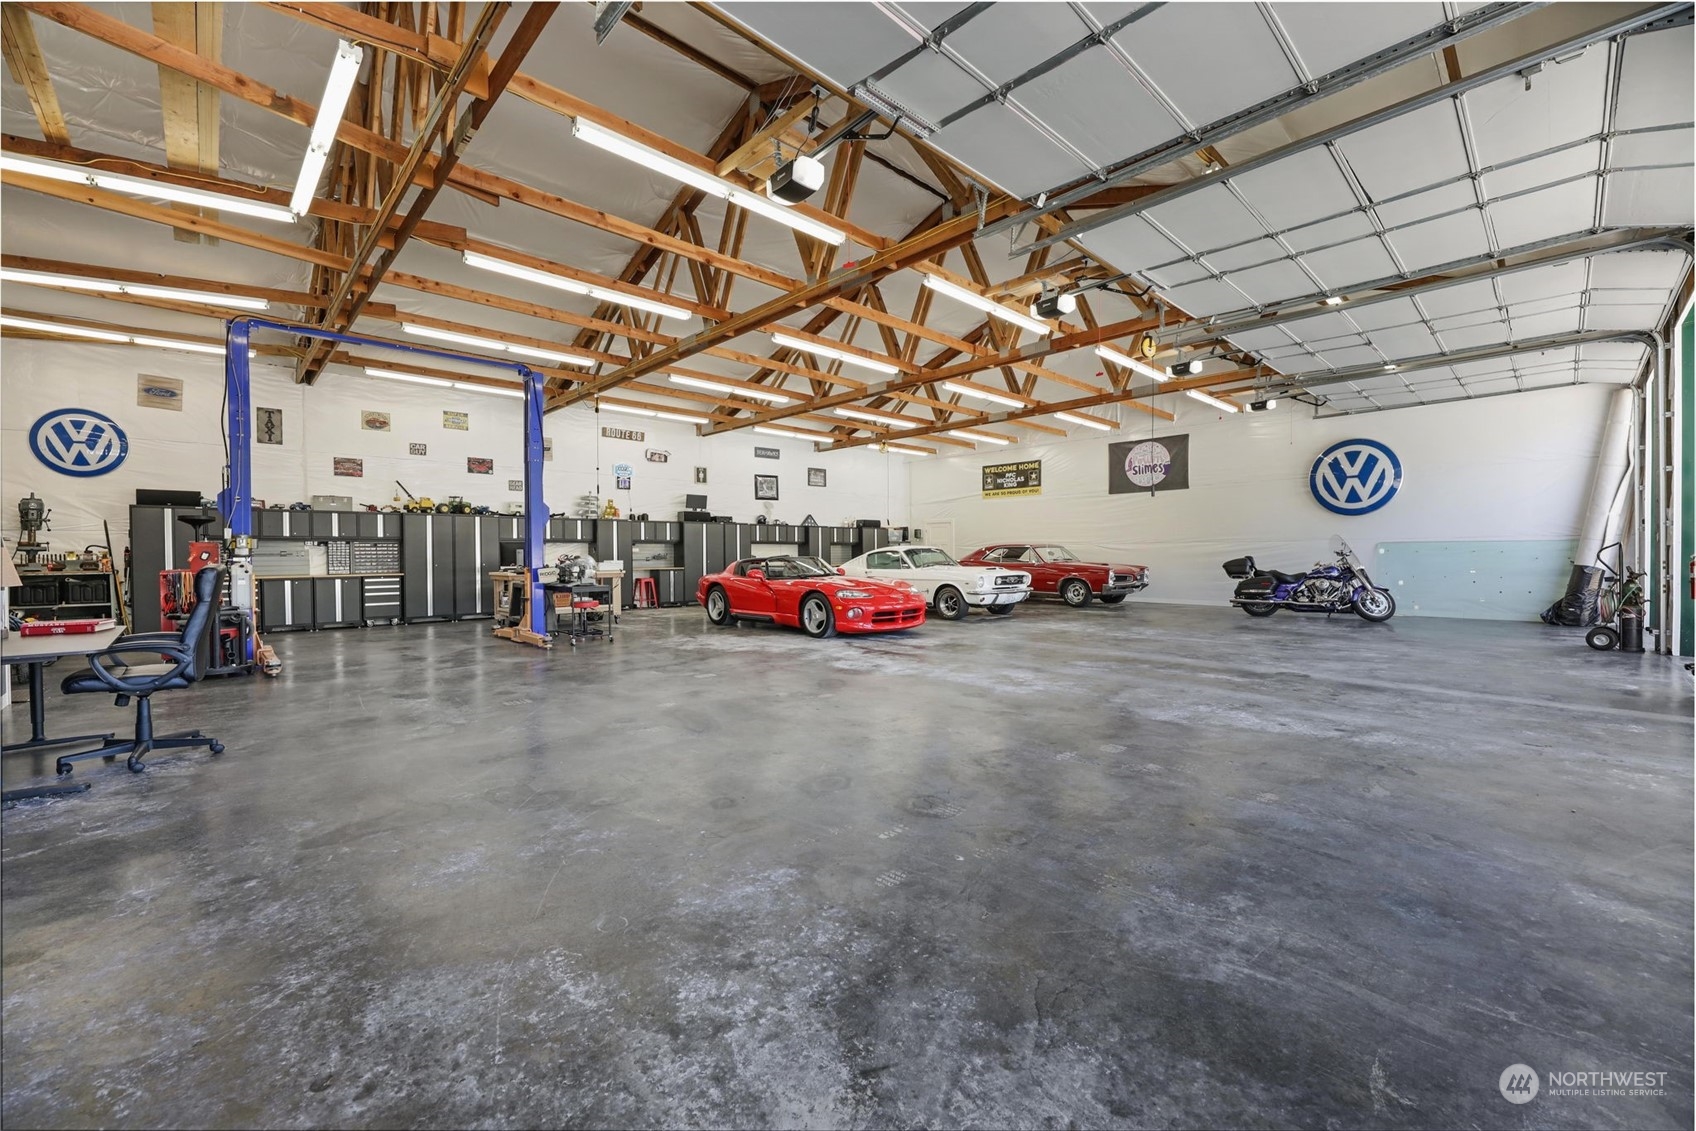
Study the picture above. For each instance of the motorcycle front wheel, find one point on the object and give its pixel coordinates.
(1375, 605)
(1259, 608)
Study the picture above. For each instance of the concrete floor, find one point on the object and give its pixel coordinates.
(1145, 866)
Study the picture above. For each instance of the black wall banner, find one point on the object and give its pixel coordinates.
(1001, 480)
(1158, 464)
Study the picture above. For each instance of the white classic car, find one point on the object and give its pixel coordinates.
(951, 588)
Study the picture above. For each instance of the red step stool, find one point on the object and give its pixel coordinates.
(647, 593)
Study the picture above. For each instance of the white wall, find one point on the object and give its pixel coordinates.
(1498, 473)
(184, 450)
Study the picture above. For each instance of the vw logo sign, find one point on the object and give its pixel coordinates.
(79, 441)
(1355, 477)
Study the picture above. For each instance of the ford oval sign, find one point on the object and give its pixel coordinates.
(79, 441)
(1355, 477)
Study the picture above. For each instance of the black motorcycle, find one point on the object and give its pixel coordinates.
(1326, 588)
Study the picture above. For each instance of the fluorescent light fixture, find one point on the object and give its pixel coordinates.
(1334, 300)
(58, 328)
(1224, 406)
(492, 344)
(827, 351)
(153, 190)
(12, 163)
(413, 378)
(107, 286)
(174, 344)
(472, 387)
(906, 451)
(112, 336)
(649, 158)
(1070, 419)
(714, 386)
(988, 306)
(627, 409)
(560, 282)
(876, 417)
(996, 398)
(683, 416)
(1135, 365)
(343, 71)
(980, 436)
(769, 431)
(416, 379)
(1391, 368)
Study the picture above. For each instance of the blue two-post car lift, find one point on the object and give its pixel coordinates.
(235, 501)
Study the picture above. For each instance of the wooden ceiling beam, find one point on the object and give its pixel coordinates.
(189, 108)
(154, 279)
(701, 58)
(29, 70)
(939, 239)
(444, 234)
(129, 206)
(439, 53)
(441, 121)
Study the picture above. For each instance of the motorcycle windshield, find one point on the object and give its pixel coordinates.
(1345, 552)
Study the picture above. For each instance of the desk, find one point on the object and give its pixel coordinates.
(578, 626)
(615, 579)
(35, 652)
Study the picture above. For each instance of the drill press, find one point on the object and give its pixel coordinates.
(32, 519)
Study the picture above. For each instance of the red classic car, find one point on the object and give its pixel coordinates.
(1055, 569)
(808, 594)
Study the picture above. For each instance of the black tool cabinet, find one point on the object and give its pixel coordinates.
(446, 559)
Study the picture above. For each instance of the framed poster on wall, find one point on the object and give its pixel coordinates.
(1160, 463)
(1001, 480)
(815, 477)
(765, 486)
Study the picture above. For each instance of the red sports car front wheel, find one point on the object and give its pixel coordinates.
(817, 620)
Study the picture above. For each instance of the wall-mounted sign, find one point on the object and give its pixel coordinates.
(767, 453)
(1001, 480)
(159, 392)
(348, 466)
(457, 421)
(654, 455)
(373, 421)
(815, 477)
(1355, 477)
(268, 425)
(418, 449)
(700, 475)
(515, 484)
(623, 434)
(765, 486)
(547, 448)
(479, 465)
(79, 441)
(1158, 464)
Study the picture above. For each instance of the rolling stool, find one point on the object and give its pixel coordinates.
(647, 593)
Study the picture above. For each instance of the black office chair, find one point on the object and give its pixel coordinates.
(187, 653)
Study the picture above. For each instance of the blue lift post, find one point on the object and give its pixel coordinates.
(235, 501)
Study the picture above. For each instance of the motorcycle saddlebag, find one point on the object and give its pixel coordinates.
(1255, 589)
(1240, 567)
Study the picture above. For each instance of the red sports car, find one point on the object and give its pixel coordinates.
(1056, 570)
(808, 594)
